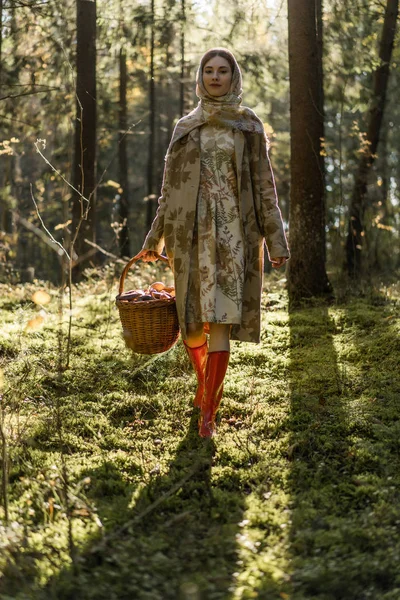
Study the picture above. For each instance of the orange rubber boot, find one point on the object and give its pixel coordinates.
(217, 364)
(198, 358)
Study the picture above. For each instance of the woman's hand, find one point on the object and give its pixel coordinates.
(278, 262)
(147, 255)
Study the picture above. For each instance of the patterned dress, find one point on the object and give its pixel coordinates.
(216, 275)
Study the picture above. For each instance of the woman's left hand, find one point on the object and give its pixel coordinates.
(147, 255)
(278, 262)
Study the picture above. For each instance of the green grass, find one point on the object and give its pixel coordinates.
(113, 495)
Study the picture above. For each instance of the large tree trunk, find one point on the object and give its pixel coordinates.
(354, 242)
(3, 204)
(321, 109)
(84, 166)
(152, 101)
(306, 270)
(124, 246)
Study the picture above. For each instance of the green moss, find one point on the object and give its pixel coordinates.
(298, 497)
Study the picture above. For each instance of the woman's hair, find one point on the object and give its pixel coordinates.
(223, 52)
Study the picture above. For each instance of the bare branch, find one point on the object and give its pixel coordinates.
(57, 171)
(49, 89)
(20, 4)
(105, 252)
(16, 120)
(62, 249)
(25, 223)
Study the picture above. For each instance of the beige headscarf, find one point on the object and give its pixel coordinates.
(223, 111)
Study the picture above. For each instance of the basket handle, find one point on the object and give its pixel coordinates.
(128, 266)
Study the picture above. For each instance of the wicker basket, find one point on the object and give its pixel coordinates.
(151, 326)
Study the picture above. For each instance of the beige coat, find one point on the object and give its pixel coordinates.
(260, 217)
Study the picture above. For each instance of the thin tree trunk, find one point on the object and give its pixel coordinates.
(18, 190)
(385, 174)
(182, 82)
(169, 109)
(5, 468)
(124, 246)
(306, 271)
(355, 235)
(84, 166)
(150, 175)
(1, 44)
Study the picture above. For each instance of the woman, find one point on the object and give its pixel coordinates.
(218, 205)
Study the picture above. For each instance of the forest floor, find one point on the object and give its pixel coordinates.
(112, 495)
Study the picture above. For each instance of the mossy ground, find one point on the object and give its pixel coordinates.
(112, 494)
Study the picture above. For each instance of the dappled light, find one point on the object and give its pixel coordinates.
(199, 300)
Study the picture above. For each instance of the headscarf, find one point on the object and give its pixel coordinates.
(223, 111)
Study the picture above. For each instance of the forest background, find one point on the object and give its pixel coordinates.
(146, 55)
(107, 491)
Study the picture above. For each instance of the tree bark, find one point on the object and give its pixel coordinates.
(150, 170)
(387, 208)
(84, 165)
(306, 269)
(321, 109)
(169, 108)
(3, 205)
(1, 44)
(18, 189)
(182, 82)
(124, 245)
(356, 233)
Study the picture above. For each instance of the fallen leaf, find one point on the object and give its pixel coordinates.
(35, 323)
(41, 297)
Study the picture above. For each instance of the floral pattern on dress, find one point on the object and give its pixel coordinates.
(217, 268)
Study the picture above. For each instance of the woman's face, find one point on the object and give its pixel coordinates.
(217, 76)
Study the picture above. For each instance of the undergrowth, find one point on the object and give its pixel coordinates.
(111, 494)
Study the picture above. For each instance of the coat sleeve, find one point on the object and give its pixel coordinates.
(266, 203)
(155, 238)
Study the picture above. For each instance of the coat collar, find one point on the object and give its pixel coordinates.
(245, 121)
(186, 125)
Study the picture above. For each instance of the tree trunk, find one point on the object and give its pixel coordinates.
(169, 108)
(150, 175)
(1, 44)
(3, 204)
(182, 82)
(84, 165)
(321, 109)
(385, 174)
(19, 195)
(124, 246)
(306, 269)
(354, 242)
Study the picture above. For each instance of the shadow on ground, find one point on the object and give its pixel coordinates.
(344, 453)
(178, 541)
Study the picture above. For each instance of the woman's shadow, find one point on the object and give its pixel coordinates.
(178, 541)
